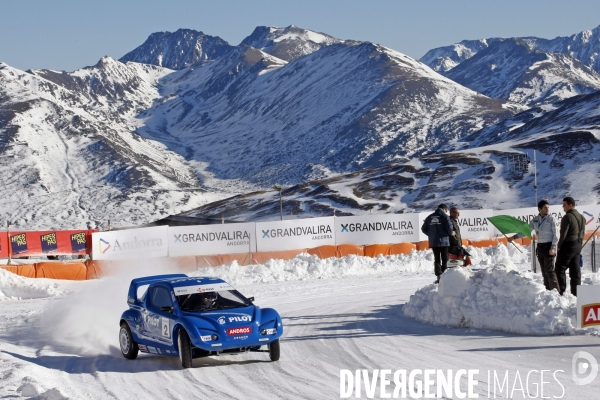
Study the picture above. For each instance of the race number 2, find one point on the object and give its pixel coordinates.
(165, 327)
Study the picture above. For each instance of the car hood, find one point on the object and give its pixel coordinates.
(218, 319)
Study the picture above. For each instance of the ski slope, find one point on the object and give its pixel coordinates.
(58, 339)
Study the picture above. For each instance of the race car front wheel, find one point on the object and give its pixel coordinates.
(185, 349)
(129, 348)
(274, 350)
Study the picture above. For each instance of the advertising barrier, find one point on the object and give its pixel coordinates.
(126, 244)
(3, 245)
(42, 243)
(591, 214)
(295, 234)
(588, 306)
(475, 225)
(377, 229)
(200, 240)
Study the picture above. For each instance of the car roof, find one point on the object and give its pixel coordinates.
(193, 281)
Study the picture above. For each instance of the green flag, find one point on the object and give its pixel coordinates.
(507, 224)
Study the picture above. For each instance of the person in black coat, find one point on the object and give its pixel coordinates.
(438, 228)
(572, 232)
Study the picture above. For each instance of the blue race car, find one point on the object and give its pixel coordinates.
(191, 317)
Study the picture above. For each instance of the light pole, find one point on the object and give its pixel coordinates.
(278, 187)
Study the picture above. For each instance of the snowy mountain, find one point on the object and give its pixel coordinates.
(511, 70)
(351, 126)
(69, 153)
(563, 121)
(583, 46)
(345, 107)
(288, 43)
(481, 173)
(443, 59)
(178, 50)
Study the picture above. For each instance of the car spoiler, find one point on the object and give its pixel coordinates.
(147, 280)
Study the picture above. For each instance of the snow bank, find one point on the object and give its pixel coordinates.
(498, 297)
(305, 266)
(15, 287)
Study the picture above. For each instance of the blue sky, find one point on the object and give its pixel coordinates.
(67, 35)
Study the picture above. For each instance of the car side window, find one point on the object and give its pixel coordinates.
(160, 297)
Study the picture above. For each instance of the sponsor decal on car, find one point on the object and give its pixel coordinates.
(142, 348)
(221, 320)
(240, 337)
(206, 338)
(217, 345)
(152, 350)
(241, 318)
(263, 339)
(271, 331)
(242, 330)
(214, 287)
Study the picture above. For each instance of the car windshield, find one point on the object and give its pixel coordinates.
(217, 300)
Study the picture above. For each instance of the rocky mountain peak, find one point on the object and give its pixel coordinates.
(288, 43)
(178, 50)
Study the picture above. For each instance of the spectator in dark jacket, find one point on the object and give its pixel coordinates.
(572, 231)
(438, 228)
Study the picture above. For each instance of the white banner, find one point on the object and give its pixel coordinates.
(203, 240)
(130, 244)
(588, 306)
(422, 217)
(295, 234)
(377, 229)
(591, 213)
(475, 225)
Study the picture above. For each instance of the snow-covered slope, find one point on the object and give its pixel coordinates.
(178, 50)
(344, 107)
(583, 46)
(69, 153)
(478, 171)
(288, 43)
(511, 70)
(443, 59)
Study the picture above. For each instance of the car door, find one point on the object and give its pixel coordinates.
(159, 323)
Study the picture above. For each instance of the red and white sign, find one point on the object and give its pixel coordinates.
(242, 330)
(588, 306)
(590, 314)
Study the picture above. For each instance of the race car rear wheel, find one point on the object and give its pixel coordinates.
(185, 349)
(129, 348)
(274, 350)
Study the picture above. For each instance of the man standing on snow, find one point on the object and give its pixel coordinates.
(544, 226)
(572, 231)
(438, 228)
(456, 240)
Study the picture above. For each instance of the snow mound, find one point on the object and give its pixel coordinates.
(305, 267)
(499, 298)
(15, 287)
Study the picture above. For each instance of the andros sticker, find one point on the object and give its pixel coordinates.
(242, 330)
